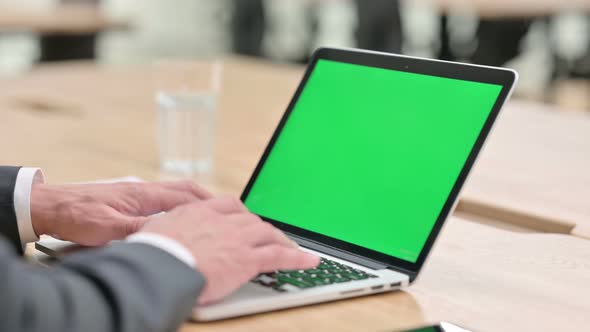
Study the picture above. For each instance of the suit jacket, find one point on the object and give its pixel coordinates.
(125, 287)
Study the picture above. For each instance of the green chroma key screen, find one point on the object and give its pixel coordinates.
(369, 155)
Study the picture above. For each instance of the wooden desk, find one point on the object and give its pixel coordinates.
(492, 9)
(63, 19)
(101, 123)
(533, 173)
(478, 277)
(535, 170)
(79, 123)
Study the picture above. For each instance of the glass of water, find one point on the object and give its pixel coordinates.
(187, 94)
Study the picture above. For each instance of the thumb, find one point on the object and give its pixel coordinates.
(131, 224)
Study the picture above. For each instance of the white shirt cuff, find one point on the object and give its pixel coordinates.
(167, 244)
(22, 202)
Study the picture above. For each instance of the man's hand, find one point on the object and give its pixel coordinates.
(94, 214)
(230, 245)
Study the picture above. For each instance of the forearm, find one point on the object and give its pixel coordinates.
(126, 287)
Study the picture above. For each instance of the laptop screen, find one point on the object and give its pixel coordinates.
(369, 156)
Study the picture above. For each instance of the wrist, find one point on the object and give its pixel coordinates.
(40, 209)
(166, 243)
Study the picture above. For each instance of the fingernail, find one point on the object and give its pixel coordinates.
(313, 257)
(295, 244)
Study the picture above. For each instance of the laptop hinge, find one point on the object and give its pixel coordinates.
(338, 253)
(410, 274)
(325, 249)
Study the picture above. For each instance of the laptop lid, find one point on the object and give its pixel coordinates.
(371, 154)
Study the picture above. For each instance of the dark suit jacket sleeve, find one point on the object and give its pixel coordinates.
(8, 223)
(125, 287)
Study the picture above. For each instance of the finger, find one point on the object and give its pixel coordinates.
(244, 219)
(125, 225)
(132, 225)
(188, 187)
(151, 198)
(276, 257)
(264, 234)
(226, 204)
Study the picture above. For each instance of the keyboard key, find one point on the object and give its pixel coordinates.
(266, 280)
(356, 276)
(318, 282)
(300, 283)
(327, 273)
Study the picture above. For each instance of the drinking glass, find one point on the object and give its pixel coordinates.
(187, 94)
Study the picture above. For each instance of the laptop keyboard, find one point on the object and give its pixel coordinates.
(327, 273)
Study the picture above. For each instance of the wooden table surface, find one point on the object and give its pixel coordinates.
(478, 277)
(535, 170)
(62, 19)
(100, 123)
(497, 9)
(80, 123)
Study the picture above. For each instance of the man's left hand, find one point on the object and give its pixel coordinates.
(94, 214)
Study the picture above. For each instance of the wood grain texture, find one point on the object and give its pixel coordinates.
(535, 170)
(494, 280)
(100, 123)
(81, 122)
(498, 9)
(63, 19)
(479, 277)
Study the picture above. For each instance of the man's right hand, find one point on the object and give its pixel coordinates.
(230, 245)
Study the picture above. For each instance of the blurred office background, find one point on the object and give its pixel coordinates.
(547, 41)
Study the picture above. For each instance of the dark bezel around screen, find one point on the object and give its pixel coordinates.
(503, 77)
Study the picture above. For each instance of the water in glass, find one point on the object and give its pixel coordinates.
(186, 131)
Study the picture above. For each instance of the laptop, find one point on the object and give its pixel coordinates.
(363, 170)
